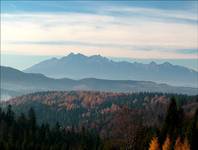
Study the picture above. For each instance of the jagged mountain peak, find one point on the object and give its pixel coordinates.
(74, 56)
(78, 66)
(167, 64)
(85, 56)
(153, 63)
(82, 57)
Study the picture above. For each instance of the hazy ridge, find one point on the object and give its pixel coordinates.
(78, 66)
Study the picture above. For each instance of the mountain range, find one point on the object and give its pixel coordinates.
(15, 83)
(78, 66)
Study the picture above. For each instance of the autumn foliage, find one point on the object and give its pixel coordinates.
(154, 145)
(181, 145)
(178, 135)
(167, 144)
(131, 121)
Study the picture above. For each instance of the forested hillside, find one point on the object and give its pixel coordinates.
(23, 133)
(99, 75)
(83, 107)
(122, 121)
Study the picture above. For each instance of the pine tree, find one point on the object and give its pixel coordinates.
(22, 121)
(192, 132)
(170, 126)
(9, 115)
(32, 118)
(154, 145)
(23, 133)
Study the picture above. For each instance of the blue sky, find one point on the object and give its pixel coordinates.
(132, 30)
(84, 6)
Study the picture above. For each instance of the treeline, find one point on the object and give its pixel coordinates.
(23, 133)
(82, 107)
(178, 132)
(126, 129)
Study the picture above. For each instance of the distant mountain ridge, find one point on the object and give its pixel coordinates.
(15, 83)
(78, 66)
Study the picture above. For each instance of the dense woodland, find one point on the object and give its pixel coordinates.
(93, 108)
(95, 120)
(23, 133)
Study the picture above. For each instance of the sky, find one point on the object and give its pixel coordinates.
(143, 31)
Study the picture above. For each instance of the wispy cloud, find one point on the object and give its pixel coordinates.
(111, 31)
(153, 13)
(105, 45)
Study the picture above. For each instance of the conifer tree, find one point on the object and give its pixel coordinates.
(32, 118)
(170, 126)
(9, 114)
(192, 132)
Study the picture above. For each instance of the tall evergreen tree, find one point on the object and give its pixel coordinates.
(9, 114)
(192, 132)
(32, 118)
(171, 122)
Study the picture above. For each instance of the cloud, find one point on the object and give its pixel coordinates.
(104, 45)
(154, 13)
(143, 33)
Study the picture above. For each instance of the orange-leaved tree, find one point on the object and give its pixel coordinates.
(167, 144)
(179, 145)
(154, 145)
